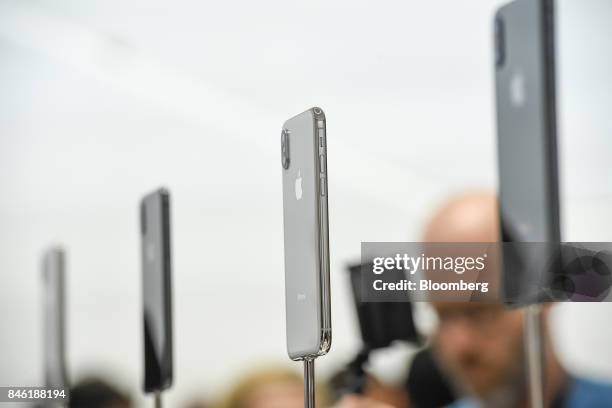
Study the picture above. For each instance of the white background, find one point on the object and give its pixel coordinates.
(102, 101)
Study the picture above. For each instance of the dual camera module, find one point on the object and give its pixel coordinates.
(285, 149)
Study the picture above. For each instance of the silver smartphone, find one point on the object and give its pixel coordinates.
(54, 283)
(157, 290)
(307, 288)
(526, 127)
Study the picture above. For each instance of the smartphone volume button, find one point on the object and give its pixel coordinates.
(322, 163)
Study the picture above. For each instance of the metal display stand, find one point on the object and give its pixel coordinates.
(309, 383)
(158, 399)
(534, 348)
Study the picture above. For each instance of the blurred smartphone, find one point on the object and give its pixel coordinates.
(157, 290)
(54, 271)
(526, 128)
(307, 292)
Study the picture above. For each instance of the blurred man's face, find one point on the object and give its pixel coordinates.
(480, 345)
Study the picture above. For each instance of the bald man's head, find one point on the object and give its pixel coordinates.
(471, 217)
(479, 343)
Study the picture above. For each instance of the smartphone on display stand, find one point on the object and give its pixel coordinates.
(525, 85)
(527, 138)
(306, 241)
(157, 292)
(54, 283)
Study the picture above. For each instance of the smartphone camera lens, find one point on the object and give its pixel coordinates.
(500, 52)
(285, 148)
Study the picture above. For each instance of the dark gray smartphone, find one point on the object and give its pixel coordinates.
(527, 138)
(157, 290)
(307, 291)
(54, 283)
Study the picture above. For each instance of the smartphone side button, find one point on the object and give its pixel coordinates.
(322, 185)
(322, 163)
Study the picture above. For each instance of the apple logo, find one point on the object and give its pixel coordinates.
(298, 186)
(517, 90)
(301, 297)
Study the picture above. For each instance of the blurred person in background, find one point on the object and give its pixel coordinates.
(480, 345)
(270, 388)
(394, 396)
(426, 385)
(96, 393)
(198, 404)
(343, 383)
